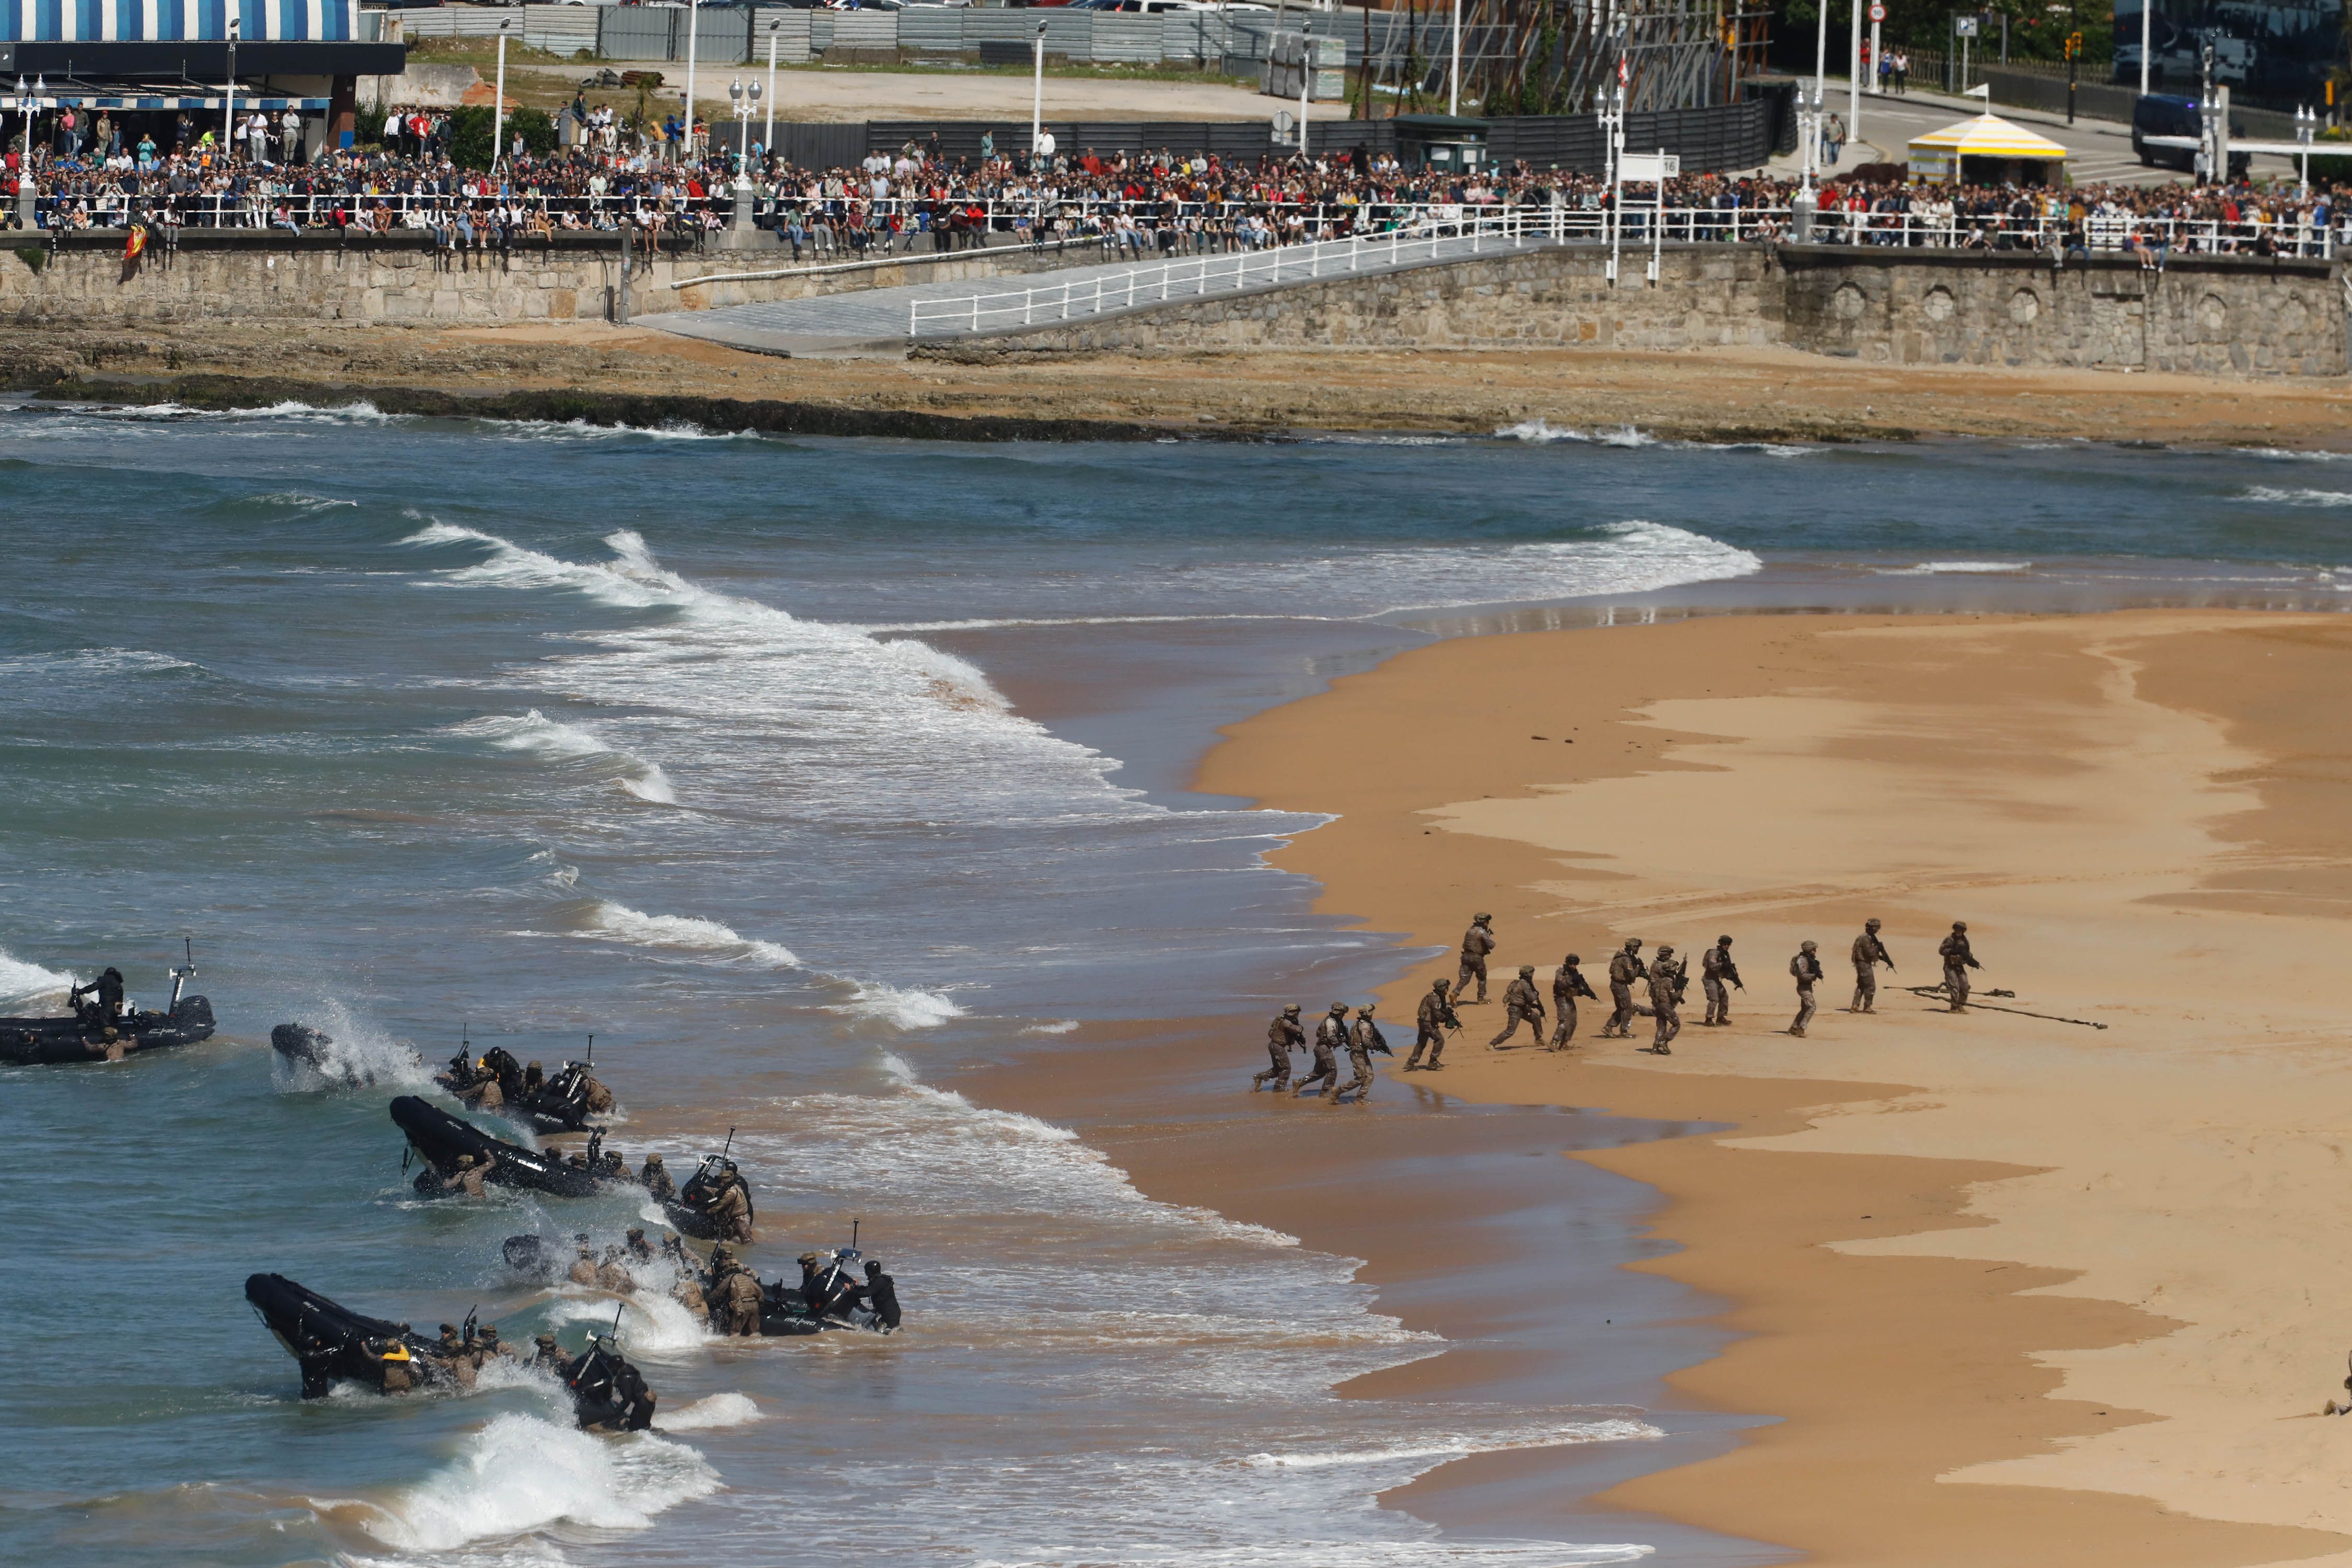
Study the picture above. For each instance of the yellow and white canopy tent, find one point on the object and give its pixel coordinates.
(1987, 149)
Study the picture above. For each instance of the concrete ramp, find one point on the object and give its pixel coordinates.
(892, 319)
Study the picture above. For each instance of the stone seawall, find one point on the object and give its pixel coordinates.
(262, 277)
(2206, 315)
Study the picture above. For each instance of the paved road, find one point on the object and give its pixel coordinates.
(2101, 148)
(874, 317)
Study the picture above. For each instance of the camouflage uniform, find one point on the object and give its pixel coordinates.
(1624, 968)
(1567, 983)
(1718, 974)
(1431, 1021)
(1869, 952)
(1362, 1041)
(1281, 1036)
(1521, 1004)
(1958, 961)
(1330, 1039)
(1666, 985)
(1476, 943)
(1805, 969)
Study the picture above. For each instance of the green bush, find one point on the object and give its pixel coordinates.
(469, 134)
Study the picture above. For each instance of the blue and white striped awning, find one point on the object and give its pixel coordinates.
(11, 104)
(176, 21)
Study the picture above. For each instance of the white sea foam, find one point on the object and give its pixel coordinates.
(2274, 496)
(903, 1008)
(1580, 1428)
(581, 430)
(1542, 433)
(556, 740)
(521, 1473)
(653, 1324)
(358, 1052)
(1953, 568)
(609, 921)
(2290, 455)
(716, 1410)
(101, 661)
(1058, 1026)
(653, 784)
(27, 984)
(534, 732)
(358, 412)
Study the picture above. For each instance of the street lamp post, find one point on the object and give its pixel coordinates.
(2306, 124)
(1453, 72)
(27, 193)
(1853, 67)
(2147, 41)
(693, 17)
(499, 108)
(1038, 99)
(741, 230)
(228, 109)
(768, 137)
(1805, 203)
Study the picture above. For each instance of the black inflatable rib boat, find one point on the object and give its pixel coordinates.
(82, 1037)
(607, 1394)
(315, 1050)
(689, 1214)
(440, 1137)
(330, 1342)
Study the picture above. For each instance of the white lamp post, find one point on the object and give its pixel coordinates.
(2147, 41)
(2306, 123)
(1454, 72)
(1037, 100)
(693, 15)
(228, 109)
(498, 110)
(1853, 68)
(27, 193)
(768, 137)
(740, 229)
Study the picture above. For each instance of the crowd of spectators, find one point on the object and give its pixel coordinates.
(1130, 204)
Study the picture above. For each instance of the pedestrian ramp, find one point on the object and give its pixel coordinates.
(871, 319)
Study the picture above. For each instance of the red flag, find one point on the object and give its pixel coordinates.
(137, 243)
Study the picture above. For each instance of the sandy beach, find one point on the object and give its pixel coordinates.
(1743, 395)
(2005, 1288)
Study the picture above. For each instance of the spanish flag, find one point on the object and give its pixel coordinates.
(137, 243)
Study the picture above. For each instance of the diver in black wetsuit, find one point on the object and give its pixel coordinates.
(881, 1294)
(108, 989)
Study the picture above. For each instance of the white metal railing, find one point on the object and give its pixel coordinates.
(834, 226)
(1202, 276)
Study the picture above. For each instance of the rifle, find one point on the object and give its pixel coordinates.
(1449, 1018)
(1380, 1042)
(1939, 991)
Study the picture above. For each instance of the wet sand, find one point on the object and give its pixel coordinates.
(1997, 1287)
(1758, 394)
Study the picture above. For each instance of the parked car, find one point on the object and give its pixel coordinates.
(2159, 114)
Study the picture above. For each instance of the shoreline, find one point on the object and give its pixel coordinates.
(1698, 715)
(1949, 1348)
(606, 374)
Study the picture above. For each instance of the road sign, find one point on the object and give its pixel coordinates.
(1636, 168)
(1965, 26)
(1878, 13)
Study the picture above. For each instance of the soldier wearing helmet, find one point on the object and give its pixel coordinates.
(1283, 1036)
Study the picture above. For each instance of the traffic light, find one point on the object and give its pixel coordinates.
(2074, 45)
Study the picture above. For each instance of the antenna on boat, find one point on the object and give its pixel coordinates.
(180, 977)
(592, 1050)
(852, 1234)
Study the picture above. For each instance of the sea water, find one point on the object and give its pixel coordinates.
(799, 772)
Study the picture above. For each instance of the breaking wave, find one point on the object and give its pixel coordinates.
(535, 734)
(30, 984)
(609, 921)
(521, 1473)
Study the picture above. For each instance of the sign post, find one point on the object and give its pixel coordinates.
(1877, 74)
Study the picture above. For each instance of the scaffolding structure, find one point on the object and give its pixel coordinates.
(1559, 57)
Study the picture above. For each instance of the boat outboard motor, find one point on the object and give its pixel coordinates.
(607, 1391)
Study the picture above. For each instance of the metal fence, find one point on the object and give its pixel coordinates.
(1192, 227)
